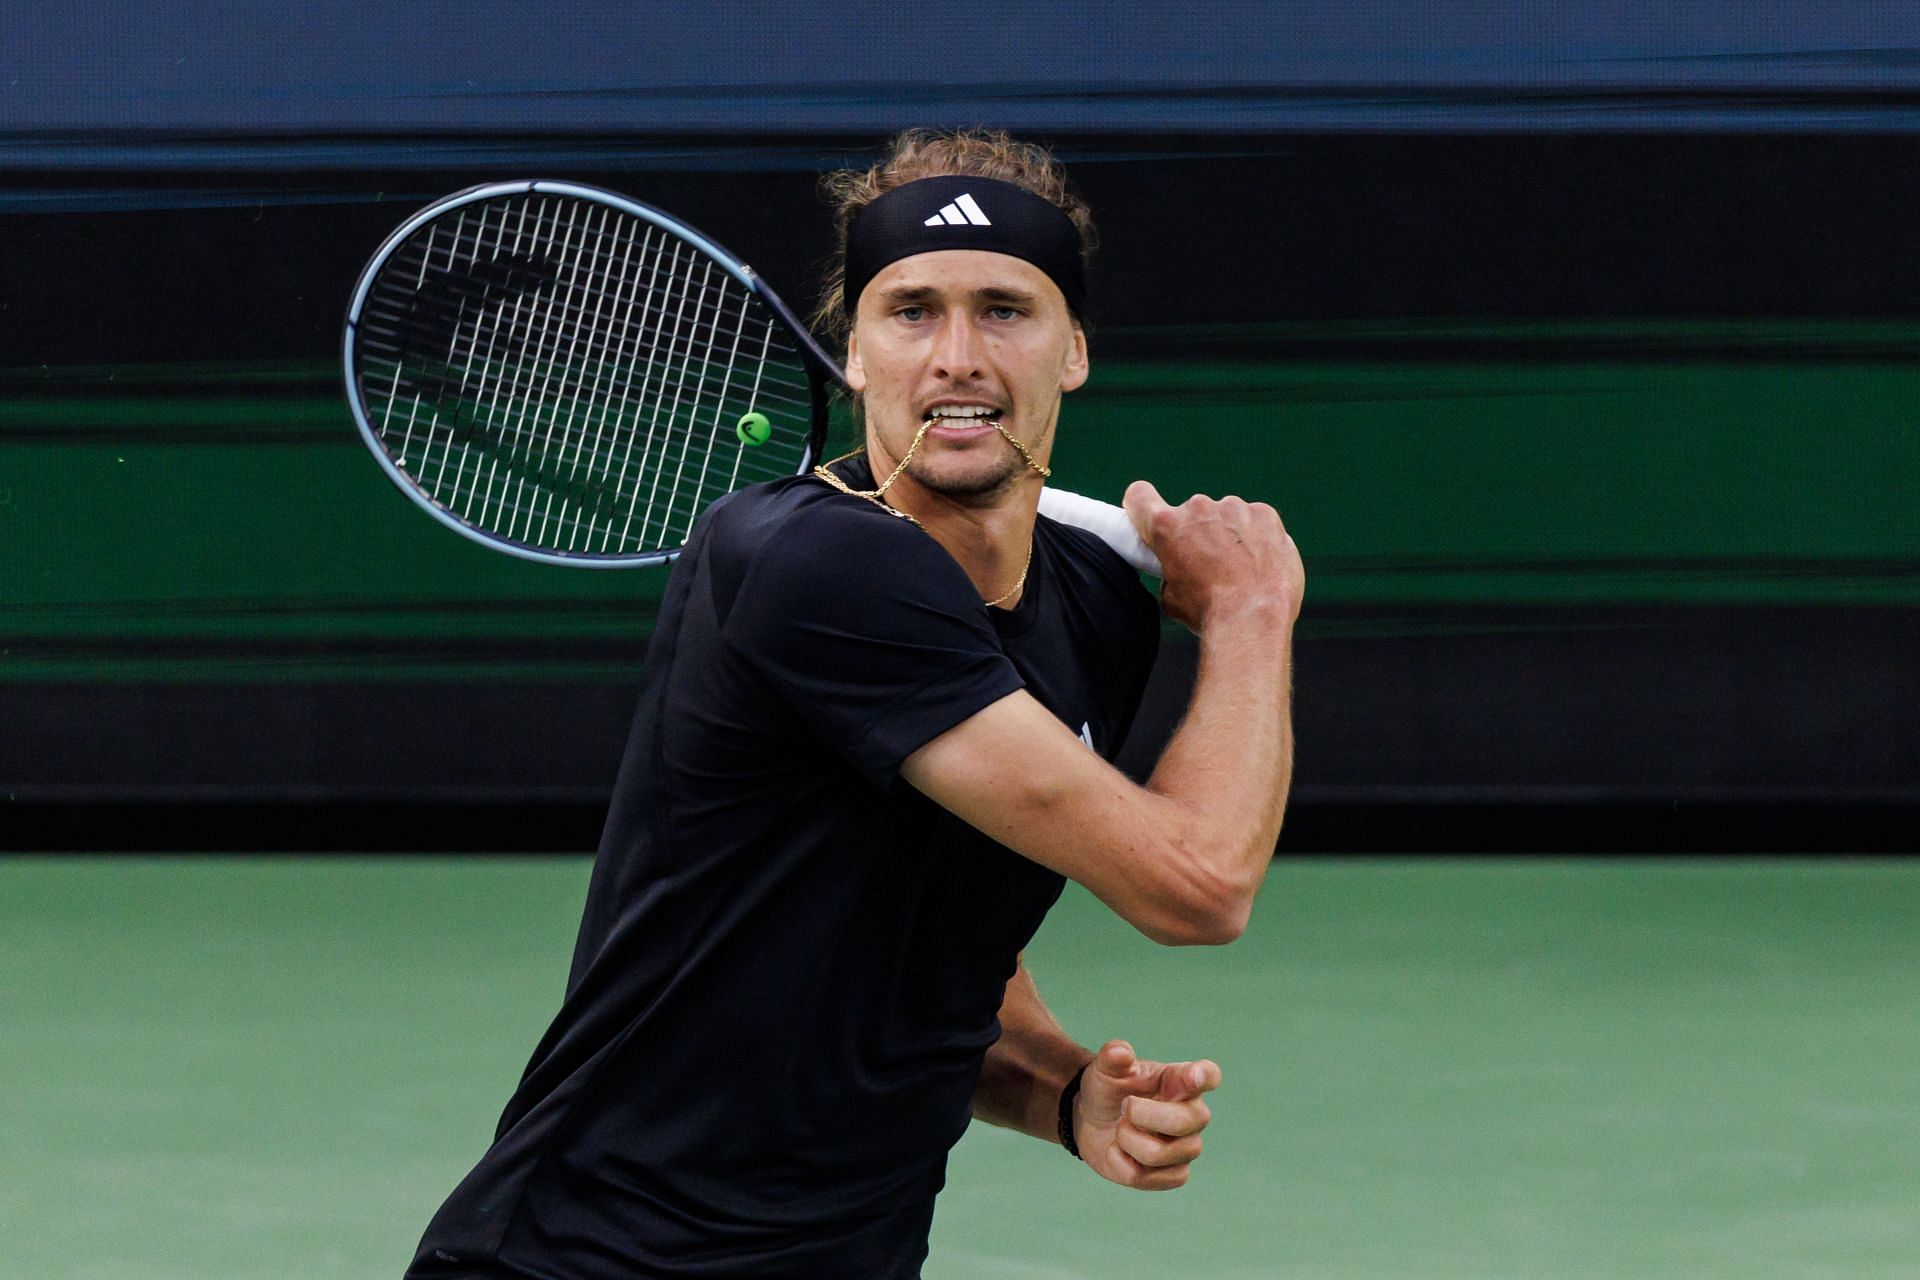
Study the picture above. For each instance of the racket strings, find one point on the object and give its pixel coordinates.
(704, 326)
(590, 371)
(600, 263)
(515, 395)
(619, 367)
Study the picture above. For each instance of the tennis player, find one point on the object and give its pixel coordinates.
(872, 743)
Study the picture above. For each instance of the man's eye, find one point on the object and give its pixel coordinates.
(912, 315)
(1004, 312)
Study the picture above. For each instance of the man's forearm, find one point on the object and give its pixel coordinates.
(1026, 1069)
(1230, 764)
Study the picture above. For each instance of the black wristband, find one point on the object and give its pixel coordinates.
(1067, 1095)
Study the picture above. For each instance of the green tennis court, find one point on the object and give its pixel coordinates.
(277, 1067)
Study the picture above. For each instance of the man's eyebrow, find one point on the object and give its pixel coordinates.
(923, 292)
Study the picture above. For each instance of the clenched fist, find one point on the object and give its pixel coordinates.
(1219, 555)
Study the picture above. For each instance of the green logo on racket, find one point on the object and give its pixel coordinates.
(754, 428)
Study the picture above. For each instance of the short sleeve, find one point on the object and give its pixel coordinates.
(870, 632)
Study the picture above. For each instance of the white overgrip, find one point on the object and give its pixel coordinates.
(1104, 521)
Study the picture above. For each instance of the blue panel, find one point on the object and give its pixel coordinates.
(141, 80)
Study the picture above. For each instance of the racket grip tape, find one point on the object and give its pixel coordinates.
(1104, 521)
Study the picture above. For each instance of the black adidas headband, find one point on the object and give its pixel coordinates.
(964, 213)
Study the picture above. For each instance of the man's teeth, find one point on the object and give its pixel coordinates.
(962, 412)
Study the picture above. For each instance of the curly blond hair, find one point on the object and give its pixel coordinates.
(930, 153)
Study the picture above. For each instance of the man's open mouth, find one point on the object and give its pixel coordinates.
(964, 415)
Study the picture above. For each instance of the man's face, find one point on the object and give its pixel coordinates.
(965, 337)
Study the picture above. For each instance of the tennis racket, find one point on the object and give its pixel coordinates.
(570, 376)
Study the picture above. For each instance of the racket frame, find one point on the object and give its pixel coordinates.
(820, 366)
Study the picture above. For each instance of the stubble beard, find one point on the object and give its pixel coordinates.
(972, 483)
(968, 483)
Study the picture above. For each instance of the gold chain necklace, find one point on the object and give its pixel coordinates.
(878, 495)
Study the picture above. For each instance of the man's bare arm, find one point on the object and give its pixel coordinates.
(1029, 1065)
(1182, 857)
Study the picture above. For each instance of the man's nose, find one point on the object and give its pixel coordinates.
(957, 350)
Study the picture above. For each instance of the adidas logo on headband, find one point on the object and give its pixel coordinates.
(961, 212)
(928, 215)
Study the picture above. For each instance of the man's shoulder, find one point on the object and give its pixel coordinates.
(802, 518)
(798, 547)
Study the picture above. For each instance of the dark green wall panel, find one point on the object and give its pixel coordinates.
(1600, 449)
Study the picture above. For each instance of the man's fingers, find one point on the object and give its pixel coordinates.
(1169, 1081)
(1141, 503)
(1179, 1080)
(1189, 1079)
(1154, 1151)
(1169, 1119)
(1147, 1178)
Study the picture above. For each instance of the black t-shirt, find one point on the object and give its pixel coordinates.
(791, 963)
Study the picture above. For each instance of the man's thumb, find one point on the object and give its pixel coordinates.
(1115, 1061)
(1142, 502)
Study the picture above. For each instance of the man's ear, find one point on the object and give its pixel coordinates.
(856, 371)
(1075, 372)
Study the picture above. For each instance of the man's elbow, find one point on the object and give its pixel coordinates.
(1215, 928)
(1202, 909)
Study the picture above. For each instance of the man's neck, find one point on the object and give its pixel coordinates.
(991, 536)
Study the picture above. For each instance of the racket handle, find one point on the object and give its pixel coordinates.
(1104, 521)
